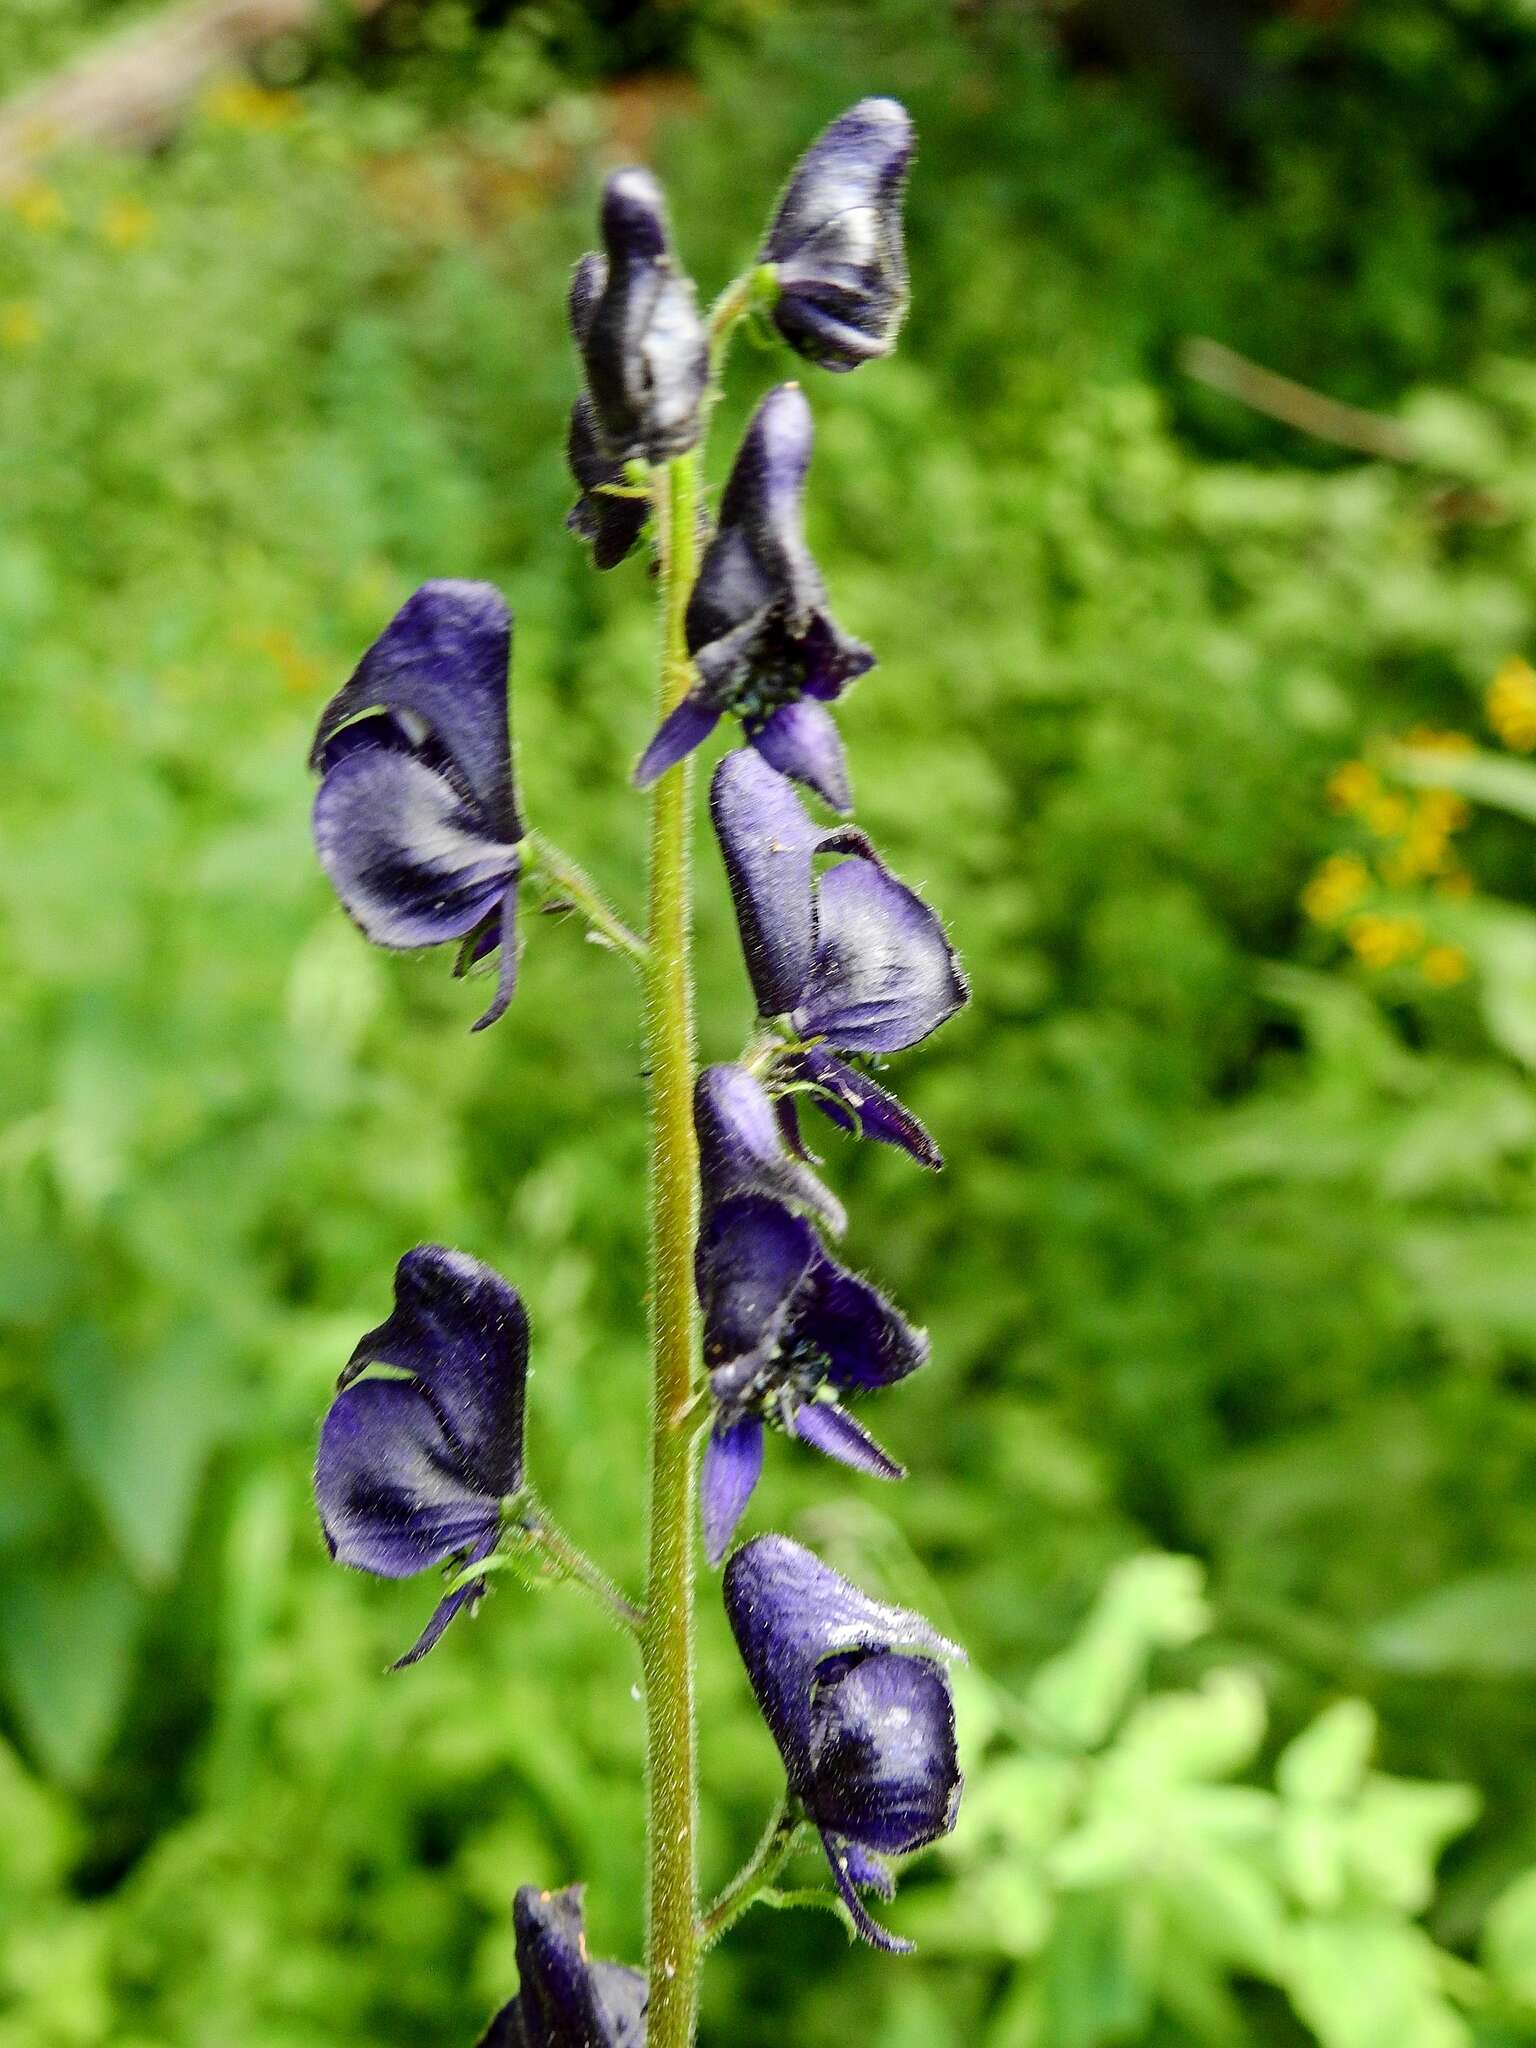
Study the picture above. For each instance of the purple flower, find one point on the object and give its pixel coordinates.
(564, 1999)
(412, 1469)
(852, 959)
(416, 819)
(786, 1331)
(743, 1150)
(761, 637)
(865, 1727)
(835, 240)
(612, 524)
(637, 326)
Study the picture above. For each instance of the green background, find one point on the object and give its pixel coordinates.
(1233, 1260)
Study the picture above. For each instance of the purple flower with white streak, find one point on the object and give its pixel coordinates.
(763, 643)
(413, 1469)
(637, 325)
(416, 820)
(743, 1149)
(835, 240)
(862, 1715)
(851, 960)
(564, 1999)
(787, 1330)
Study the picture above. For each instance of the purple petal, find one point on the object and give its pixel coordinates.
(856, 1104)
(390, 1483)
(467, 1595)
(403, 850)
(789, 1612)
(847, 1865)
(611, 524)
(866, 1341)
(506, 975)
(886, 1771)
(588, 280)
(767, 839)
(742, 1149)
(685, 727)
(733, 1464)
(642, 341)
(444, 659)
(884, 975)
(867, 1873)
(565, 2000)
(463, 1332)
(752, 1255)
(802, 741)
(832, 1431)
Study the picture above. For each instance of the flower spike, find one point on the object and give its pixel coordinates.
(855, 961)
(412, 1471)
(835, 240)
(762, 640)
(564, 1999)
(416, 820)
(637, 325)
(787, 1331)
(861, 1713)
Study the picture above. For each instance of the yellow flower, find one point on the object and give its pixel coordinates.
(1336, 888)
(125, 223)
(237, 103)
(39, 208)
(20, 325)
(1442, 810)
(1444, 966)
(1379, 941)
(1387, 815)
(1457, 883)
(1439, 740)
(1511, 704)
(1352, 786)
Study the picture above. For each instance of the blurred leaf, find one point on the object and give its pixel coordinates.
(1326, 1763)
(66, 1654)
(1483, 1625)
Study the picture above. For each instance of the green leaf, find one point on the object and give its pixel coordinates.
(67, 1656)
(1509, 1941)
(1094, 1985)
(1486, 778)
(1326, 1763)
(1148, 1603)
(1483, 1625)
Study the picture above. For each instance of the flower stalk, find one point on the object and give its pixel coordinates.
(674, 1951)
(756, 1874)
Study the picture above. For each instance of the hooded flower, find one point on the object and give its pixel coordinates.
(564, 1999)
(851, 958)
(835, 240)
(637, 325)
(412, 1469)
(862, 1717)
(742, 1149)
(762, 640)
(786, 1331)
(416, 819)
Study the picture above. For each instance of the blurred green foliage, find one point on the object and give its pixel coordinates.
(1232, 1259)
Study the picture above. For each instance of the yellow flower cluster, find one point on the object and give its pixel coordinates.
(123, 223)
(1511, 704)
(1408, 837)
(39, 208)
(238, 103)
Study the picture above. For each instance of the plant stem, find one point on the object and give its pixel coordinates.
(565, 879)
(723, 316)
(673, 1948)
(759, 1870)
(572, 1562)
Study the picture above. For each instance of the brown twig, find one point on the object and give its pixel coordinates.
(1295, 405)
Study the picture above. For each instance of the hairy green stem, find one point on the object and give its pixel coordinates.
(759, 1871)
(560, 876)
(572, 1562)
(673, 1948)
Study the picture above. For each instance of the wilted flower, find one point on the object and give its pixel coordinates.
(762, 640)
(416, 819)
(636, 321)
(835, 240)
(564, 1999)
(852, 959)
(866, 1728)
(412, 1470)
(743, 1148)
(786, 1330)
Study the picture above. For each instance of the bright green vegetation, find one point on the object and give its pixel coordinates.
(1236, 1261)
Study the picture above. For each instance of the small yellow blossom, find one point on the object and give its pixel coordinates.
(1336, 888)
(1442, 810)
(1352, 786)
(1444, 966)
(1377, 940)
(125, 223)
(1440, 740)
(1457, 884)
(39, 208)
(1387, 815)
(21, 325)
(238, 103)
(1511, 704)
